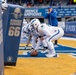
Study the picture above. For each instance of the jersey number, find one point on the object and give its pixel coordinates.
(14, 31)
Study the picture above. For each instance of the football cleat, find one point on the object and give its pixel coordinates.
(51, 55)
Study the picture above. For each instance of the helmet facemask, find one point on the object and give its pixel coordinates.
(35, 23)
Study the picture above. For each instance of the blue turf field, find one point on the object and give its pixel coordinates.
(59, 49)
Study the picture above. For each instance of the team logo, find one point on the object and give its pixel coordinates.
(10, 58)
(17, 13)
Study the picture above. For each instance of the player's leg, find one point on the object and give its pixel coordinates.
(45, 46)
(58, 34)
(55, 43)
(51, 52)
(44, 43)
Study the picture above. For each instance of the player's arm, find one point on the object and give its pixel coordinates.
(46, 16)
(34, 39)
(54, 14)
(38, 44)
(28, 41)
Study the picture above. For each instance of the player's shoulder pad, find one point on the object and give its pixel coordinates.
(42, 26)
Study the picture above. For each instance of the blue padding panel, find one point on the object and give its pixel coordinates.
(12, 25)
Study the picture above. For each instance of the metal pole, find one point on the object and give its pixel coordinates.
(1, 44)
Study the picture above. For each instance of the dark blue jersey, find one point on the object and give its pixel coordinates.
(52, 18)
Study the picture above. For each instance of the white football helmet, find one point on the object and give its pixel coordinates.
(35, 23)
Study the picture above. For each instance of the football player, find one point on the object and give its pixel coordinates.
(48, 33)
(28, 31)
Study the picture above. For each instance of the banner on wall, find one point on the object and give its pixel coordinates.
(70, 29)
(38, 12)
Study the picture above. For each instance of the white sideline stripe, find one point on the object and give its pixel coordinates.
(68, 38)
(72, 56)
(69, 54)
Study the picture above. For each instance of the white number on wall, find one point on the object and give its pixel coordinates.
(14, 31)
